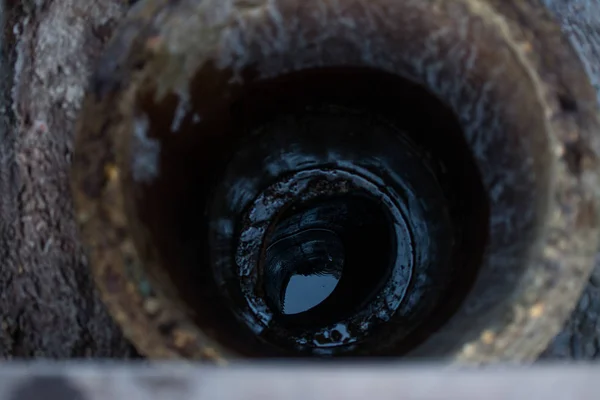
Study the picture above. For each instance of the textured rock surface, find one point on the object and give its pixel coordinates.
(48, 304)
(580, 339)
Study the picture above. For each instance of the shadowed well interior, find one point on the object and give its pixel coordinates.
(240, 142)
(327, 257)
(392, 161)
(348, 182)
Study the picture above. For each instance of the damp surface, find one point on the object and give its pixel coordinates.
(306, 216)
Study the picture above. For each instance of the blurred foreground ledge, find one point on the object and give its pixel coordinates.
(132, 381)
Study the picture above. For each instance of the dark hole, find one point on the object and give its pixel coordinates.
(197, 229)
(326, 258)
(567, 103)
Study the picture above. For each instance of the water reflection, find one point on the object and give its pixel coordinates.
(304, 292)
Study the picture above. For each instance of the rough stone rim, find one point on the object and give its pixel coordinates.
(553, 66)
